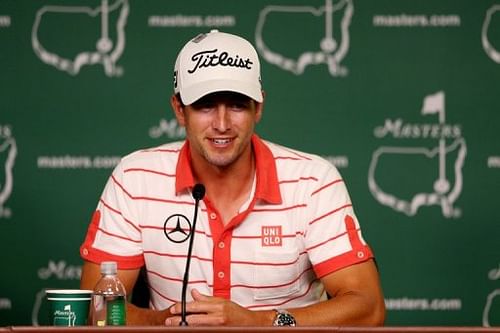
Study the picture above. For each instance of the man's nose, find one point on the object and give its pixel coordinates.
(222, 120)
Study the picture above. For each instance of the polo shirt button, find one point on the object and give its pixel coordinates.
(221, 245)
(85, 252)
(213, 216)
(360, 254)
(220, 275)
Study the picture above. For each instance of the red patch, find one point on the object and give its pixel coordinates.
(271, 235)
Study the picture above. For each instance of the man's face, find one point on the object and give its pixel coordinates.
(219, 127)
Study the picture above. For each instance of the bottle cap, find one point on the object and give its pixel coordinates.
(108, 267)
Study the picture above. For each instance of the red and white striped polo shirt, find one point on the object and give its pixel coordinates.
(298, 226)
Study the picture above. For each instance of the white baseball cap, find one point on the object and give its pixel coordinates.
(217, 61)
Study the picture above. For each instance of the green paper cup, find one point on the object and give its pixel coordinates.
(68, 307)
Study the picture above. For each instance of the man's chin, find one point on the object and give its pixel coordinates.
(220, 161)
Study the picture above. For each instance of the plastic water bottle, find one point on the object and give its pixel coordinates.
(109, 298)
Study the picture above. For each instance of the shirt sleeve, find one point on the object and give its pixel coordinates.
(333, 235)
(114, 232)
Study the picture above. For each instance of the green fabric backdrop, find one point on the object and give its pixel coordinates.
(403, 96)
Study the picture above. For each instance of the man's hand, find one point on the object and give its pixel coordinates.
(214, 311)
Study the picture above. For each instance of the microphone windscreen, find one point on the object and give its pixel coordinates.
(198, 191)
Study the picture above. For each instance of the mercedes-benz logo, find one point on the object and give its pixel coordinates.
(177, 228)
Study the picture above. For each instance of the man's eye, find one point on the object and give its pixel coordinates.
(239, 106)
(203, 107)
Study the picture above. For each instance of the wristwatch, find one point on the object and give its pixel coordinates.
(283, 318)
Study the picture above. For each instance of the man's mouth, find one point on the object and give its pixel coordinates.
(223, 141)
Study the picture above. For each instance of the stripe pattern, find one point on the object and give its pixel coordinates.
(274, 257)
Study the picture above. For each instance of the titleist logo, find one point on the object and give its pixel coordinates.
(212, 59)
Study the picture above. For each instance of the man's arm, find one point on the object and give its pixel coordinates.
(91, 273)
(356, 300)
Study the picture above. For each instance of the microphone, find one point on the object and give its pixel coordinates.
(198, 194)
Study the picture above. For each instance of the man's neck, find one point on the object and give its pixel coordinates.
(227, 187)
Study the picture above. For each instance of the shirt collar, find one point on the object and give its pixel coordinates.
(267, 187)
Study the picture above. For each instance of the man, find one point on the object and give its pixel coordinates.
(276, 231)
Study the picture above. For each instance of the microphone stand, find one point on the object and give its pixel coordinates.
(198, 193)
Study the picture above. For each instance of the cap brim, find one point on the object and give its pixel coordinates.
(196, 91)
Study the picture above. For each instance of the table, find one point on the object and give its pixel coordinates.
(334, 329)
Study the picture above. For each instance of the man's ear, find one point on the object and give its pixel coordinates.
(259, 108)
(178, 109)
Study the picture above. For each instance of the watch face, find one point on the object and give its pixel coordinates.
(284, 319)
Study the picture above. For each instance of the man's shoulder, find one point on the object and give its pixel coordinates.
(297, 157)
(296, 164)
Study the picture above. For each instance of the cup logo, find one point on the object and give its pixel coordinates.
(63, 317)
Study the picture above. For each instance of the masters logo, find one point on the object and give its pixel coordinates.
(418, 165)
(333, 46)
(106, 50)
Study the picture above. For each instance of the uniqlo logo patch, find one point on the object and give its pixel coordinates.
(271, 235)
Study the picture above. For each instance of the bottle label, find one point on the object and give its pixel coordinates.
(115, 314)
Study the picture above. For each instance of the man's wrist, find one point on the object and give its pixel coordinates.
(264, 317)
(146, 316)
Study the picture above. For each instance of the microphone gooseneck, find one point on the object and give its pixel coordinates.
(198, 194)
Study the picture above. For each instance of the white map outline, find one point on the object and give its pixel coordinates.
(103, 46)
(488, 48)
(494, 274)
(10, 146)
(331, 53)
(35, 313)
(410, 208)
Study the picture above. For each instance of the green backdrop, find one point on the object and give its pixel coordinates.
(402, 96)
